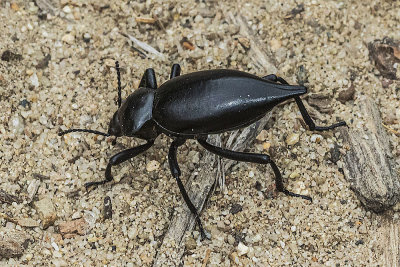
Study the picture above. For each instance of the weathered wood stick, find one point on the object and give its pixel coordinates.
(212, 169)
(368, 164)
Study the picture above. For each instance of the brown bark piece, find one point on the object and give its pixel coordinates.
(8, 198)
(200, 187)
(368, 164)
(73, 227)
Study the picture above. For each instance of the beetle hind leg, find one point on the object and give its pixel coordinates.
(304, 113)
(176, 172)
(274, 78)
(310, 122)
(255, 158)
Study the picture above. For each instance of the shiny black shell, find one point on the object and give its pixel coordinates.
(215, 101)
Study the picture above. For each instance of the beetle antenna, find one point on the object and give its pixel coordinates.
(119, 83)
(82, 130)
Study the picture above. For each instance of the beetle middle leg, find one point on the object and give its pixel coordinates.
(255, 158)
(176, 172)
(119, 158)
(175, 71)
(303, 110)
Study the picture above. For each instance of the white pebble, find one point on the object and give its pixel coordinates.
(68, 38)
(242, 249)
(29, 256)
(55, 246)
(16, 124)
(152, 165)
(43, 120)
(57, 254)
(292, 139)
(316, 138)
(251, 174)
(76, 215)
(67, 9)
(34, 80)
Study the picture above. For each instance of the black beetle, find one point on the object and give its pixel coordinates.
(194, 105)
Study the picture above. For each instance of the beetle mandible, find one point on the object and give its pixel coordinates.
(194, 105)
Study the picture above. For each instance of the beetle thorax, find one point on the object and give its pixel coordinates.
(134, 117)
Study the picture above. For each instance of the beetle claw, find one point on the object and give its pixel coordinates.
(291, 194)
(204, 235)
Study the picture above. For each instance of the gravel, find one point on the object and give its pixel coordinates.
(60, 65)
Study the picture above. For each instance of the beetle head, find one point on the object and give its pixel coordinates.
(114, 127)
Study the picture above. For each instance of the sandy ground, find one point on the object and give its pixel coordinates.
(75, 86)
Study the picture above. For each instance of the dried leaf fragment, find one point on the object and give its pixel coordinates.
(245, 42)
(297, 10)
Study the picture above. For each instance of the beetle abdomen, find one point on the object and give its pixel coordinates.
(216, 101)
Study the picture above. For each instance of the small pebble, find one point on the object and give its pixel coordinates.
(67, 9)
(235, 258)
(316, 138)
(242, 249)
(16, 124)
(152, 165)
(68, 38)
(86, 37)
(292, 139)
(294, 175)
(231, 240)
(275, 44)
(73, 227)
(46, 211)
(34, 80)
(28, 222)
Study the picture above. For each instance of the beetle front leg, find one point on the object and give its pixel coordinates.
(176, 172)
(255, 158)
(119, 158)
(310, 122)
(148, 79)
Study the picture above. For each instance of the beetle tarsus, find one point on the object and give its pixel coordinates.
(119, 158)
(291, 194)
(310, 122)
(176, 172)
(304, 113)
(333, 126)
